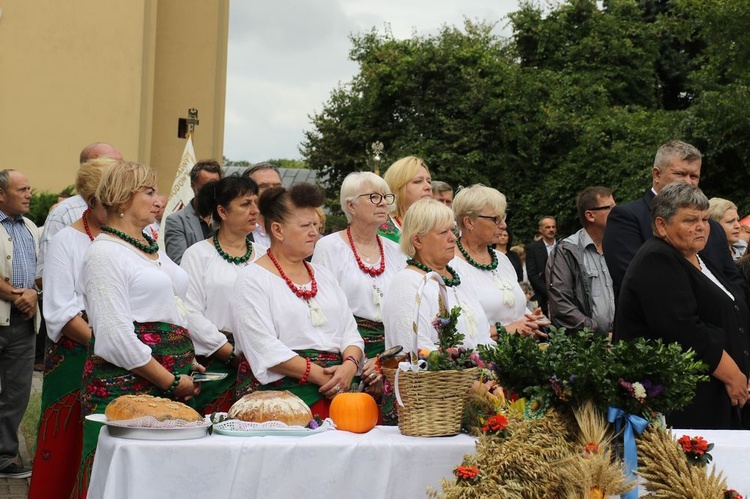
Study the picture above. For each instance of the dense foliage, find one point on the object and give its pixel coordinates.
(639, 376)
(581, 94)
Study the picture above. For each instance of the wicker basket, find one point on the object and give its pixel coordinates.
(433, 400)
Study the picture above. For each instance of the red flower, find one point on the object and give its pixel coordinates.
(88, 367)
(468, 473)
(168, 363)
(496, 423)
(244, 367)
(151, 339)
(732, 494)
(684, 441)
(590, 448)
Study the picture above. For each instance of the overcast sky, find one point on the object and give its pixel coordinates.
(286, 56)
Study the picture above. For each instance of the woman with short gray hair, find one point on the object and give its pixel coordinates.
(363, 262)
(670, 292)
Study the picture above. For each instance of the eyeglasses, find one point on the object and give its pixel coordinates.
(495, 220)
(601, 208)
(376, 198)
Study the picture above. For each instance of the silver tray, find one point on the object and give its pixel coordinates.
(139, 433)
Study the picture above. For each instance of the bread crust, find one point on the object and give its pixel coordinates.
(269, 405)
(137, 406)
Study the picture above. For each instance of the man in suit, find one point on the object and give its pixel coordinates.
(184, 227)
(536, 259)
(18, 313)
(629, 224)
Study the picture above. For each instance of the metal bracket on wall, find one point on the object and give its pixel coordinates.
(186, 126)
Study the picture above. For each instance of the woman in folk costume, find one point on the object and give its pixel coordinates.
(290, 318)
(140, 344)
(364, 263)
(480, 214)
(58, 448)
(409, 179)
(212, 266)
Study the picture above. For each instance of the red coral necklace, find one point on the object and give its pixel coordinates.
(305, 294)
(372, 271)
(86, 224)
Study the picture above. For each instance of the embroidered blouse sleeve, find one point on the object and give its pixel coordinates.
(106, 287)
(253, 325)
(61, 301)
(205, 335)
(399, 309)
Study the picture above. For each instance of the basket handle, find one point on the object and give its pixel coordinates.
(414, 364)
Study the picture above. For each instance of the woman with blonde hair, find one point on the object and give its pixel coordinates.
(140, 344)
(428, 240)
(409, 180)
(60, 434)
(725, 212)
(480, 215)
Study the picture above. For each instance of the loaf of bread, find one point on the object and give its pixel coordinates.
(138, 406)
(269, 405)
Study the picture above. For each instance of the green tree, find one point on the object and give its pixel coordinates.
(579, 95)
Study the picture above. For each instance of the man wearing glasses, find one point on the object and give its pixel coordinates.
(578, 283)
(629, 224)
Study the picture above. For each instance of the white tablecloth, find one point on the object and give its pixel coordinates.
(381, 463)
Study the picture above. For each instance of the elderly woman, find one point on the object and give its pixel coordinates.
(212, 266)
(58, 449)
(363, 262)
(670, 292)
(131, 291)
(480, 214)
(290, 318)
(428, 240)
(409, 179)
(725, 212)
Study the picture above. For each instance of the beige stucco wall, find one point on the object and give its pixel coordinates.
(119, 71)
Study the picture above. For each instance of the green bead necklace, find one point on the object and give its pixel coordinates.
(490, 266)
(236, 260)
(448, 282)
(150, 248)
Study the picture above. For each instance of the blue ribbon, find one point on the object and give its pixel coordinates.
(632, 424)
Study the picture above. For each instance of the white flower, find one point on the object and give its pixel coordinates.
(639, 391)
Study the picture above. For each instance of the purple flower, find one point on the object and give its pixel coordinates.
(313, 425)
(655, 390)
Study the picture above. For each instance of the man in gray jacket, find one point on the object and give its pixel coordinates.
(580, 288)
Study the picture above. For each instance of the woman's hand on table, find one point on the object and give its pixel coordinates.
(372, 380)
(341, 379)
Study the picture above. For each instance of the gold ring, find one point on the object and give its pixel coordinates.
(372, 375)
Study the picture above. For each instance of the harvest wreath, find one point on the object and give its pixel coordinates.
(556, 431)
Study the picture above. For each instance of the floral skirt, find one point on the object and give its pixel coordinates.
(319, 405)
(373, 334)
(103, 382)
(58, 448)
(217, 396)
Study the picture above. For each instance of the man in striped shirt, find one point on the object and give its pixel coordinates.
(18, 311)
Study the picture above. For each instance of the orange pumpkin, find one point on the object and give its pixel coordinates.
(354, 411)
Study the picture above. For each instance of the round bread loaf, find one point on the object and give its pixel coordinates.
(137, 406)
(269, 405)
